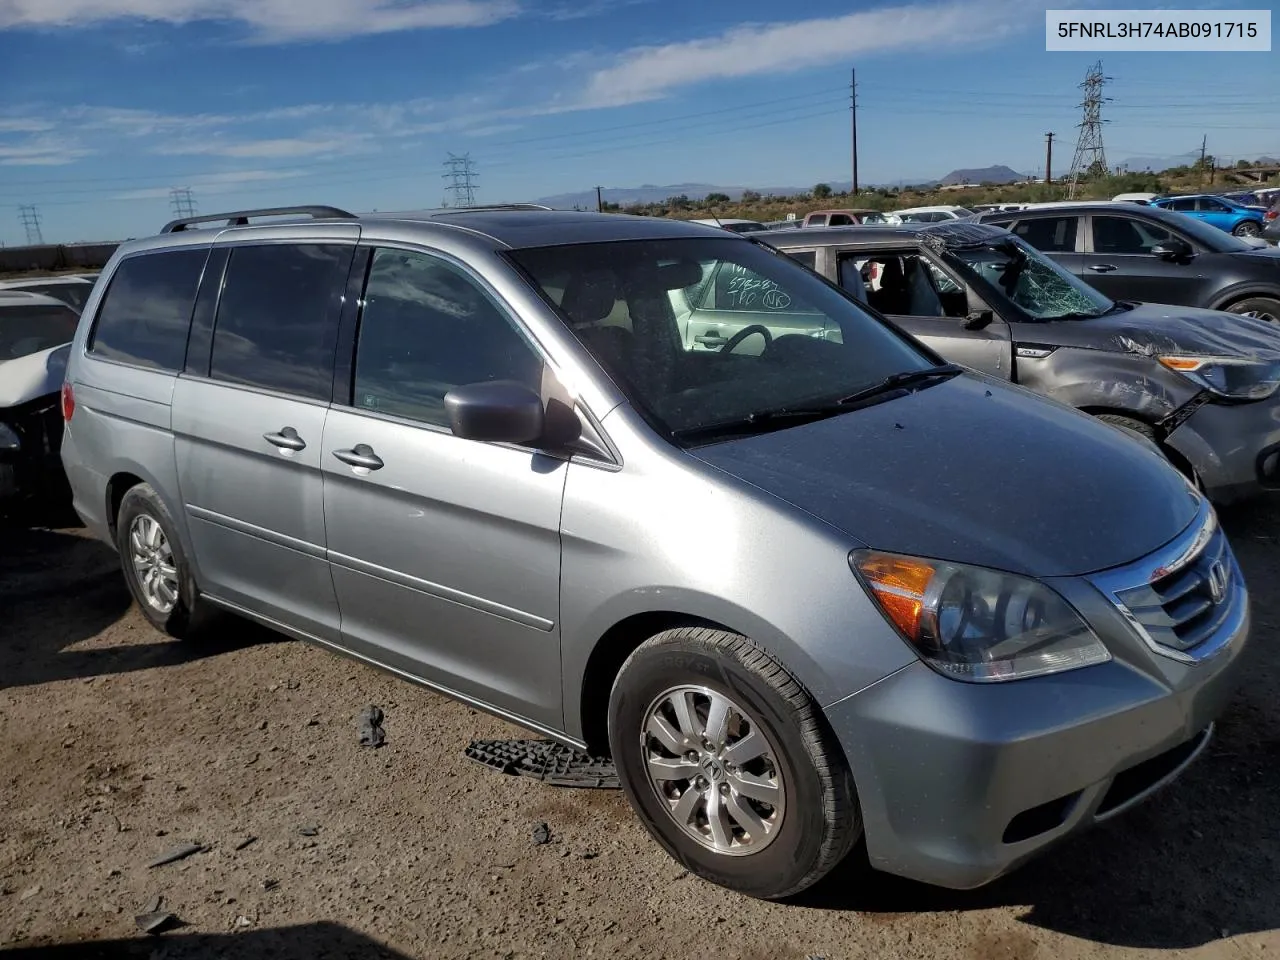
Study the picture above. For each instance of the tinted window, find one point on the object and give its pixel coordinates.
(808, 257)
(1125, 235)
(1210, 205)
(426, 328)
(146, 314)
(74, 295)
(277, 319)
(1050, 234)
(27, 330)
(1181, 204)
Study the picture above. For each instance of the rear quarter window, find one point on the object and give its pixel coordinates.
(145, 315)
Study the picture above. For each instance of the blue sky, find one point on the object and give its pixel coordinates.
(108, 104)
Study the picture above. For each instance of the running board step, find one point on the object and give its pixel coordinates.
(545, 760)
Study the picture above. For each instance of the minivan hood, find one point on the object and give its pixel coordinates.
(977, 472)
(33, 376)
(1156, 328)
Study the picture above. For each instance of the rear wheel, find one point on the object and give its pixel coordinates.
(1247, 228)
(1264, 308)
(730, 764)
(154, 565)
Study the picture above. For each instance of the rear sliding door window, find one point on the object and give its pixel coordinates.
(277, 320)
(146, 313)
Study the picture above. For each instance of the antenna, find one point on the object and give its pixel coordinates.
(460, 172)
(1090, 160)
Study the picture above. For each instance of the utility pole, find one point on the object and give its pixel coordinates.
(1048, 158)
(30, 218)
(182, 201)
(599, 201)
(1204, 145)
(460, 172)
(1090, 159)
(853, 108)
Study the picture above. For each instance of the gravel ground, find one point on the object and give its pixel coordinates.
(117, 745)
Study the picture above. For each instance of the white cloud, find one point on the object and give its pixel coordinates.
(649, 73)
(213, 183)
(271, 148)
(268, 20)
(42, 150)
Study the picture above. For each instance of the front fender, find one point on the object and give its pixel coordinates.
(1122, 382)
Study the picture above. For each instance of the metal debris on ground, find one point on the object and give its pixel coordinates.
(545, 760)
(541, 834)
(156, 922)
(371, 732)
(244, 842)
(177, 853)
(309, 831)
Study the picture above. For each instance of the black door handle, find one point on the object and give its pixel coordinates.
(361, 455)
(1101, 267)
(286, 439)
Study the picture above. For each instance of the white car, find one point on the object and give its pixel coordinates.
(932, 214)
(35, 340)
(72, 290)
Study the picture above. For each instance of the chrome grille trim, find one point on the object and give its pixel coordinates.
(1188, 600)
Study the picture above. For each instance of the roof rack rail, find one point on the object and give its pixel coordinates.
(496, 206)
(240, 218)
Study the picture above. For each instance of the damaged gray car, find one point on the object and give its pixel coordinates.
(1200, 384)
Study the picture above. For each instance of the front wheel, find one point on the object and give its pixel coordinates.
(730, 764)
(1263, 308)
(1247, 228)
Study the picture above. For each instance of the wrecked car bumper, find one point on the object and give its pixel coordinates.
(1234, 448)
(31, 466)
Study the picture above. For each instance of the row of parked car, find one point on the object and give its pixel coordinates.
(715, 505)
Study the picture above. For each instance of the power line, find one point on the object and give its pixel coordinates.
(460, 172)
(30, 218)
(182, 201)
(1091, 158)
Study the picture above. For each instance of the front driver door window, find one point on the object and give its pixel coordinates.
(1122, 266)
(931, 303)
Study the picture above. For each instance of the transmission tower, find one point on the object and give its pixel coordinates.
(30, 218)
(182, 201)
(461, 174)
(1090, 159)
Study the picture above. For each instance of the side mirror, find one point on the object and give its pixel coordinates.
(979, 319)
(1172, 249)
(500, 411)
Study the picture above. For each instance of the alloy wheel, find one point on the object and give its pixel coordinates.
(153, 563)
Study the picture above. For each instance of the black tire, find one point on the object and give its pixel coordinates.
(1128, 423)
(1264, 308)
(1247, 228)
(820, 822)
(139, 501)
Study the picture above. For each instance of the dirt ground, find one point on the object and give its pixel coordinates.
(116, 745)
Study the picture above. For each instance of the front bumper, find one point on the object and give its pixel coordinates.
(35, 468)
(960, 783)
(1234, 448)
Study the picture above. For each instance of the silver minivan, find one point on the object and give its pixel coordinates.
(806, 589)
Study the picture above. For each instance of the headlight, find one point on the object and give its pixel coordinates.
(1235, 377)
(975, 624)
(10, 442)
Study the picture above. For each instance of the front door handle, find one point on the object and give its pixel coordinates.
(711, 340)
(286, 439)
(361, 455)
(1101, 267)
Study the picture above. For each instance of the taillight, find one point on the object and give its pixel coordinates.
(68, 401)
(1271, 214)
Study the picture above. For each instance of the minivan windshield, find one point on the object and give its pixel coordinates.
(25, 330)
(705, 331)
(1032, 282)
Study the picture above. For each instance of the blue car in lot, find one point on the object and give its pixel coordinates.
(1220, 212)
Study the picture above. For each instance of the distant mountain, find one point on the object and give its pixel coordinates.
(997, 174)
(1158, 164)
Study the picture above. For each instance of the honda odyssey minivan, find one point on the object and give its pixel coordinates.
(806, 594)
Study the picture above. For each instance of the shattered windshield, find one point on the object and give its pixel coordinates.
(1033, 282)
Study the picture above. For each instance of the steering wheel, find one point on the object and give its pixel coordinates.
(736, 340)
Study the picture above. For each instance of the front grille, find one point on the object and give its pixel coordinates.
(1187, 600)
(1184, 608)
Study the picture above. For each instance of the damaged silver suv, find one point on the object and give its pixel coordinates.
(1200, 384)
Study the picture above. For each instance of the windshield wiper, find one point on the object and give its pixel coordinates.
(761, 421)
(900, 381)
(764, 421)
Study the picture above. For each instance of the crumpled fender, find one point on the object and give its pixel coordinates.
(33, 376)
